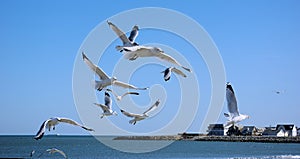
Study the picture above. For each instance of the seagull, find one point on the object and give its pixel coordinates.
(54, 150)
(234, 116)
(167, 73)
(139, 117)
(120, 97)
(107, 111)
(132, 53)
(105, 79)
(130, 41)
(279, 91)
(49, 123)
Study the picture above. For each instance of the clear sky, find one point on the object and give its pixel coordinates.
(259, 42)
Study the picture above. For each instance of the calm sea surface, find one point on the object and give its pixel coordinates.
(89, 147)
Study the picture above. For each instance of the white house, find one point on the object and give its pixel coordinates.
(284, 130)
(281, 130)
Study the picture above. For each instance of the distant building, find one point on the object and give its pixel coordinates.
(233, 131)
(216, 130)
(298, 131)
(284, 130)
(249, 131)
(270, 131)
(281, 130)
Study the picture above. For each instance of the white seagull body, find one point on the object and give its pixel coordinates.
(127, 42)
(105, 79)
(132, 53)
(54, 150)
(52, 122)
(120, 97)
(107, 111)
(168, 71)
(139, 117)
(234, 116)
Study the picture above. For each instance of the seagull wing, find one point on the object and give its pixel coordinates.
(231, 101)
(61, 152)
(154, 106)
(170, 59)
(129, 114)
(102, 75)
(107, 100)
(133, 93)
(41, 131)
(134, 48)
(70, 121)
(54, 150)
(134, 33)
(126, 85)
(119, 32)
(103, 107)
(179, 72)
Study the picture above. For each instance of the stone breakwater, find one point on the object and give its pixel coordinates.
(264, 139)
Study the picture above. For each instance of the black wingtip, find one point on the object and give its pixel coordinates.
(122, 110)
(83, 55)
(107, 94)
(39, 137)
(228, 86)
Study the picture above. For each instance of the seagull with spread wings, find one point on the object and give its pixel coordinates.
(105, 79)
(119, 97)
(107, 111)
(54, 150)
(132, 53)
(139, 117)
(168, 71)
(52, 122)
(127, 41)
(234, 116)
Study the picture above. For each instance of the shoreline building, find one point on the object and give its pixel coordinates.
(281, 130)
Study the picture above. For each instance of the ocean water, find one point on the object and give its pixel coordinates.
(89, 147)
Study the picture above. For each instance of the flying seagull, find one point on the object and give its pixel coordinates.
(107, 111)
(168, 71)
(132, 53)
(234, 116)
(130, 41)
(279, 91)
(120, 97)
(105, 80)
(49, 123)
(139, 117)
(54, 150)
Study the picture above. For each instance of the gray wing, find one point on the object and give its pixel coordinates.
(126, 85)
(102, 75)
(170, 59)
(134, 33)
(129, 114)
(70, 121)
(107, 100)
(178, 72)
(231, 101)
(120, 33)
(103, 107)
(154, 106)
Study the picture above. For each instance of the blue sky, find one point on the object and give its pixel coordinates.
(258, 42)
